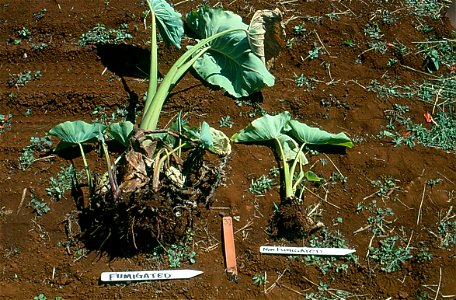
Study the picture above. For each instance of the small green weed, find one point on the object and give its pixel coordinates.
(303, 81)
(40, 15)
(299, 30)
(379, 218)
(24, 32)
(100, 35)
(432, 182)
(423, 255)
(336, 176)
(424, 8)
(386, 186)
(274, 172)
(389, 256)
(323, 292)
(23, 78)
(260, 185)
(314, 52)
(40, 208)
(43, 297)
(226, 122)
(328, 239)
(349, 43)
(178, 253)
(378, 46)
(105, 117)
(373, 31)
(259, 279)
(388, 17)
(402, 130)
(65, 180)
(39, 46)
(36, 144)
(447, 229)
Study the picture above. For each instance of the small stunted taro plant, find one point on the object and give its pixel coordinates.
(152, 191)
(288, 139)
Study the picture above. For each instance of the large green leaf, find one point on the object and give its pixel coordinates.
(265, 128)
(315, 136)
(169, 22)
(229, 63)
(76, 132)
(121, 132)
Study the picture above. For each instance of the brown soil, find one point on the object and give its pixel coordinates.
(38, 254)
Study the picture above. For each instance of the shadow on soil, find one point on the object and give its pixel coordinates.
(125, 60)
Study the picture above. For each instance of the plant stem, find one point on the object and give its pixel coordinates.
(86, 166)
(153, 74)
(112, 180)
(286, 173)
(154, 105)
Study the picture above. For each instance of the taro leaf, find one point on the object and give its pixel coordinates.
(220, 143)
(229, 63)
(312, 177)
(263, 129)
(266, 34)
(75, 132)
(291, 149)
(315, 136)
(121, 132)
(205, 135)
(169, 22)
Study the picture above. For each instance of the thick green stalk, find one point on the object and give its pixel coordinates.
(153, 74)
(153, 109)
(86, 167)
(112, 180)
(150, 118)
(293, 168)
(288, 178)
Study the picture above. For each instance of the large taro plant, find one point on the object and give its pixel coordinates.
(151, 191)
(229, 54)
(288, 139)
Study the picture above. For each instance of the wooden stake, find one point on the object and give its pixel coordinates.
(230, 252)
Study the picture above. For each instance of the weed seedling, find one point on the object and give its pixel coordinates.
(423, 255)
(303, 81)
(328, 239)
(24, 32)
(259, 279)
(65, 180)
(260, 185)
(373, 31)
(447, 230)
(432, 182)
(349, 43)
(36, 144)
(100, 35)
(226, 122)
(40, 208)
(314, 52)
(40, 15)
(389, 256)
(23, 78)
